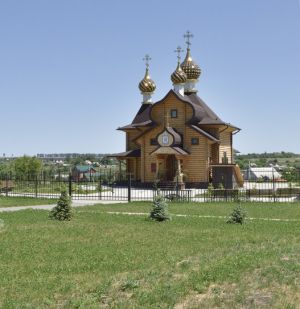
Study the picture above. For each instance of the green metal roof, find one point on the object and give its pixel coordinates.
(84, 168)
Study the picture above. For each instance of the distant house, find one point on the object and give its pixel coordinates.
(83, 172)
(262, 173)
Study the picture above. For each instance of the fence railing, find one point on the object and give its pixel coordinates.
(113, 187)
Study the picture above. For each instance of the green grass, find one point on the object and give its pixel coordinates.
(11, 201)
(255, 210)
(101, 260)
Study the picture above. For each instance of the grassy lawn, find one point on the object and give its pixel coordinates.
(101, 260)
(11, 201)
(254, 210)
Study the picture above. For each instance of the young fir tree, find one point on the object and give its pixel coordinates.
(237, 216)
(63, 210)
(159, 210)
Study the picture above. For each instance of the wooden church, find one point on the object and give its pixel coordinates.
(179, 138)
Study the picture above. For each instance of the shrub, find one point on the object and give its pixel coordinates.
(159, 210)
(63, 210)
(210, 189)
(237, 216)
(221, 186)
(155, 184)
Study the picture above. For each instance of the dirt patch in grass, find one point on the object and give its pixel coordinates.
(253, 291)
(258, 299)
(226, 296)
(206, 299)
(117, 291)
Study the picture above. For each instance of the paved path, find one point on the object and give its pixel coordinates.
(50, 206)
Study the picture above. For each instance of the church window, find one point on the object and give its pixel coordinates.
(173, 113)
(153, 142)
(165, 139)
(195, 141)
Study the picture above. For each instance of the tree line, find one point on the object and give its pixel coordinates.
(268, 155)
(27, 166)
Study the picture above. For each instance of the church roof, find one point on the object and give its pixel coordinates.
(141, 119)
(203, 115)
(170, 150)
(143, 115)
(206, 134)
(127, 154)
(176, 136)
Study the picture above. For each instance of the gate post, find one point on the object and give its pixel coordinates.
(6, 185)
(70, 184)
(129, 187)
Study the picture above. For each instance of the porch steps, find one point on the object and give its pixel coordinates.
(238, 176)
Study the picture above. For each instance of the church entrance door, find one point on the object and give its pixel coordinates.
(171, 167)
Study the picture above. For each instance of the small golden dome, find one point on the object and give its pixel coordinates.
(147, 85)
(178, 76)
(190, 68)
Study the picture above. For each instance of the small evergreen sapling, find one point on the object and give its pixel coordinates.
(237, 216)
(210, 189)
(63, 210)
(159, 210)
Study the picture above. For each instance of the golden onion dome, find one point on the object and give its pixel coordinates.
(178, 76)
(190, 68)
(147, 85)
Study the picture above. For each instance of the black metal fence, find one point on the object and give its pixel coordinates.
(111, 185)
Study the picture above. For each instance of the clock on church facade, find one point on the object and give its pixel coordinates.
(179, 138)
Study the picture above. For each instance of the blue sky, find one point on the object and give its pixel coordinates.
(69, 69)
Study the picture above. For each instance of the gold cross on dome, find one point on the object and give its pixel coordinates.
(178, 50)
(147, 58)
(188, 35)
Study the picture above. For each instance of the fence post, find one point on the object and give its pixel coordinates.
(70, 184)
(274, 189)
(129, 187)
(100, 188)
